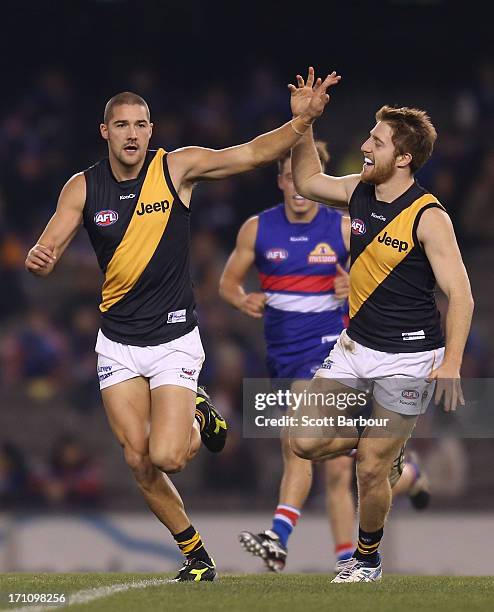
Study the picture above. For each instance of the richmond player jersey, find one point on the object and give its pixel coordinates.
(392, 305)
(139, 230)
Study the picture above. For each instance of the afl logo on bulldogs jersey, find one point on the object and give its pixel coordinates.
(358, 227)
(276, 254)
(105, 217)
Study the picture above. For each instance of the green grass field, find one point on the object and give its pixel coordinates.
(263, 592)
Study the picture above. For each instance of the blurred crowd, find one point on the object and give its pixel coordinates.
(48, 326)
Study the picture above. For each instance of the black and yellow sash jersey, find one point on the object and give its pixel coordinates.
(392, 304)
(139, 230)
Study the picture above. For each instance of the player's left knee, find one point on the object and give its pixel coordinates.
(371, 470)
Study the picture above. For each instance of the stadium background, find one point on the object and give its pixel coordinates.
(214, 75)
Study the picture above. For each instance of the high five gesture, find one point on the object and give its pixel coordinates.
(310, 98)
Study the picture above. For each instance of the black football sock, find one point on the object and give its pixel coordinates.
(368, 545)
(190, 543)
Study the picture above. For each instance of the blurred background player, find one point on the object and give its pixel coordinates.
(300, 249)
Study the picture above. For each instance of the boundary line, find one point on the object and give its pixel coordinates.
(88, 595)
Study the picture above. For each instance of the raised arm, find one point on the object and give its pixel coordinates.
(308, 177)
(236, 268)
(61, 228)
(192, 164)
(311, 182)
(436, 234)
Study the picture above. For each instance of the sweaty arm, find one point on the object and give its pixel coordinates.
(61, 228)
(311, 182)
(436, 234)
(236, 268)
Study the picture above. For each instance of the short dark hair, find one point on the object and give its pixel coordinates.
(322, 151)
(125, 97)
(413, 133)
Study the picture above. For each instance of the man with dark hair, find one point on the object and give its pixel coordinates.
(402, 242)
(126, 97)
(135, 207)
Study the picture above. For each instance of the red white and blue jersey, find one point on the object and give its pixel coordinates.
(297, 268)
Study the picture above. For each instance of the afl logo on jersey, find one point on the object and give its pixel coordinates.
(322, 254)
(105, 217)
(358, 227)
(276, 254)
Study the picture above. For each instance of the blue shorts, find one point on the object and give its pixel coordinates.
(299, 368)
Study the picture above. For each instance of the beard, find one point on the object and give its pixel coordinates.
(380, 174)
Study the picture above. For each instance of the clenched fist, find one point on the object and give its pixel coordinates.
(40, 260)
(253, 304)
(341, 283)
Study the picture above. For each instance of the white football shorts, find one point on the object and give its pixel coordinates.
(177, 362)
(397, 381)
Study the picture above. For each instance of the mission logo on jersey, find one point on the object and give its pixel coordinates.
(322, 254)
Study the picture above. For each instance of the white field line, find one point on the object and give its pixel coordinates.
(88, 595)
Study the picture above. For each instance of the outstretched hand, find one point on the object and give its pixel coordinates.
(310, 97)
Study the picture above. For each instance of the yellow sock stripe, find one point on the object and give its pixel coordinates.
(188, 549)
(192, 540)
(368, 545)
(364, 551)
(188, 546)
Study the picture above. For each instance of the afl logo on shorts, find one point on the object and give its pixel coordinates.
(105, 217)
(276, 254)
(410, 394)
(358, 227)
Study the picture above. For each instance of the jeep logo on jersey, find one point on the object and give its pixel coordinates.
(322, 254)
(410, 394)
(394, 243)
(276, 254)
(105, 217)
(162, 206)
(358, 227)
